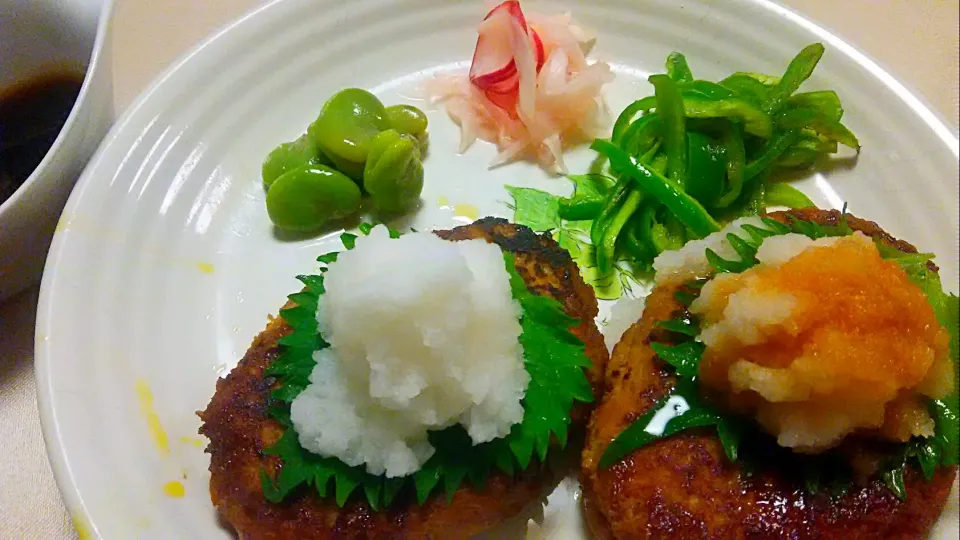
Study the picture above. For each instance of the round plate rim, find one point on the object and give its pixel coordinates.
(44, 362)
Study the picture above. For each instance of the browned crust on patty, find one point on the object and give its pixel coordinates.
(239, 428)
(685, 487)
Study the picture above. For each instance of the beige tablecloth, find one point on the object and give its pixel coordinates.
(914, 39)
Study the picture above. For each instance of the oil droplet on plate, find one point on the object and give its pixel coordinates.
(174, 490)
(62, 224)
(196, 442)
(443, 202)
(206, 268)
(468, 211)
(157, 433)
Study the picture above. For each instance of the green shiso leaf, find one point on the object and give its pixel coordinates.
(684, 357)
(927, 452)
(946, 307)
(687, 327)
(534, 208)
(327, 258)
(893, 479)
(553, 356)
(682, 409)
(685, 353)
(730, 429)
(747, 245)
(349, 240)
(685, 298)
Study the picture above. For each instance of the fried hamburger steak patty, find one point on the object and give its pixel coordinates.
(239, 428)
(685, 487)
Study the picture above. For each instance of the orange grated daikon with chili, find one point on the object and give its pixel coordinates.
(859, 347)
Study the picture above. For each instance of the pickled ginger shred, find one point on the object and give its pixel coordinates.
(530, 90)
(431, 343)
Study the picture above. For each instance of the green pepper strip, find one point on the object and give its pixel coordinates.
(642, 135)
(751, 201)
(746, 87)
(798, 71)
(762, 78)
(608, 244)
(811, 140)
(838, 132)
(607, 225)
(598, 231)
(755, 121)
(580, 210)
(786, 195)
(825, 102)
(705, 89)
(706, 168)
(670, 108)
(732, 140)
(636, 239)
(677, 67)
(775, 146)
(671, 233)
(808, 148)
(626, 117)
(797, 157)
(685, 207)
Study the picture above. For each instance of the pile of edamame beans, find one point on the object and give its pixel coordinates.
(355, 148)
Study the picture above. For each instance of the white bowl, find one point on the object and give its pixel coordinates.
(42, 35)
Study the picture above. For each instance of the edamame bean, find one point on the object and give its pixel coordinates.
(290, 156)
(347, 123)
(393, 175)
(407, 119)
(304, 199)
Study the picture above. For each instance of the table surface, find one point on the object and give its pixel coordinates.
(915, 40)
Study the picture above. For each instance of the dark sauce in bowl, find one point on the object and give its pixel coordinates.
(32, 114)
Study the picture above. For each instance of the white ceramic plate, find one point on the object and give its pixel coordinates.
(165, 264)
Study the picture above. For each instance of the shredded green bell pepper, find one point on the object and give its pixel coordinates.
(798, 71)
(698, 153)
(677, 68)
(687, 210)
(732, 141)
(786, 195)
(706, 168)
(629, 114)
(670, 108)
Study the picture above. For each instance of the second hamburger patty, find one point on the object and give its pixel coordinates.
(239, 428)
(685, 487)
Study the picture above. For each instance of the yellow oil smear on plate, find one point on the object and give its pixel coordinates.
(174, 490)
(196, 442)
(468, 211)
(206, 268)
(464, 212)
(62, 224)
(157, 433)
(82, 527)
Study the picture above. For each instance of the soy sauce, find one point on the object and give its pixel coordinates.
(32, 114)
